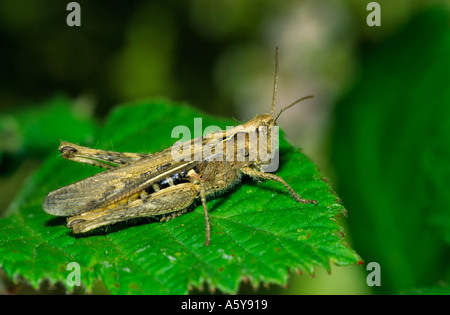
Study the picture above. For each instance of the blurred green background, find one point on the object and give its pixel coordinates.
(378, 127)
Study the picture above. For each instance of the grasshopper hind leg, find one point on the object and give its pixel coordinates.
(164, 202)
(173, 215)
(99, 158)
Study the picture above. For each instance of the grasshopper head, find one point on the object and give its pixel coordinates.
(263, 151)
(264, 120)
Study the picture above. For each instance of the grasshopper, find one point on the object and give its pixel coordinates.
(157, 185)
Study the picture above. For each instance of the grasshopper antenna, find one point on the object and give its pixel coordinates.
(289, 106)
(275, 88)
(275, 84)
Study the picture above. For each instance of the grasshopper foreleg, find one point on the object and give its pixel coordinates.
(252, 173)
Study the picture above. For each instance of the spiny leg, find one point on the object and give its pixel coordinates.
(216, 176)
(195, 177)
(251, 172)
(168, 200)
(100, 158)
(173, 215)
(205, 211)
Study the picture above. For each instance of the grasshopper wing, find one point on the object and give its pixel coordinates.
(113, 185)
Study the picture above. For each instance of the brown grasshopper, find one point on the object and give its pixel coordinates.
(148, 185)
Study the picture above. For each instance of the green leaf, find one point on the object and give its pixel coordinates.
(258, 231)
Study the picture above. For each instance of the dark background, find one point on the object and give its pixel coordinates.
(378, 127)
